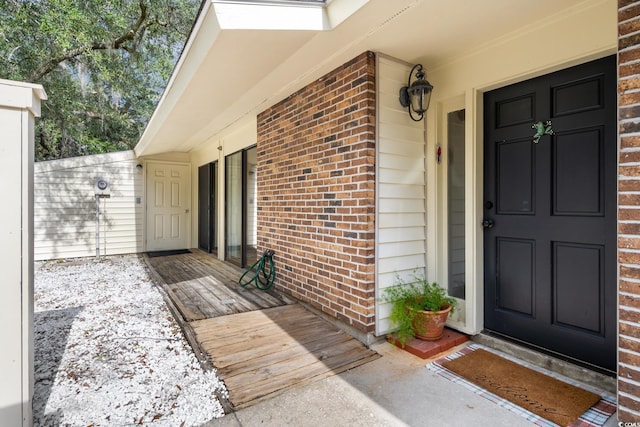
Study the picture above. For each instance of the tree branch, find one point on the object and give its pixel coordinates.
(117, 43)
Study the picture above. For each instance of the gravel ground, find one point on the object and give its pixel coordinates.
(108, 352)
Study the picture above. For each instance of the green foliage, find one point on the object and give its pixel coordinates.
(407, 298)
(103, 63)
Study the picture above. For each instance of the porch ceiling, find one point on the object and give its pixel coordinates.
(233, 68)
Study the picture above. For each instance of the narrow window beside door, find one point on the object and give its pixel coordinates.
(456, 201)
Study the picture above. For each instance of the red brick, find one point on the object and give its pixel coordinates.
(632, 258)
(428, 349)
(628, 214)
(629, 185)
(311, 146)
(631, 331)
(625, 416)
(629, 55)
(629, 242)
(630, 99)
(627, 286)
(631, 404)
(628, 27)
(631, 317)
(630, 345)
(629, 358)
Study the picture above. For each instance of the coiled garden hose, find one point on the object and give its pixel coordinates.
(262, 272)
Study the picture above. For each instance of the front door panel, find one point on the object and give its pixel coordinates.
(168, 206)
(550, 242)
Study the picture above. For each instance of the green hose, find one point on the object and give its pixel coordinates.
(262, 272)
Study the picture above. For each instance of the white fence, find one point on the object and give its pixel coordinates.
(65, 206)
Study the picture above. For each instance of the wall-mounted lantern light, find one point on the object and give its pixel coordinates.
(417, 95)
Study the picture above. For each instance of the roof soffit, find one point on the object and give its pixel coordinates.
(241, 72)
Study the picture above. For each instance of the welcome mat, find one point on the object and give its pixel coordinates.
(530, 391)
(166, 253)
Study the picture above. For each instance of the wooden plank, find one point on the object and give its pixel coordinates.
(208, 302)
(255, 384)
(245, 322)
(189, 298)
(199, 299)
(273, 354)
(207, 281)
(283, 314)
(183, 304)
(254, 347)
(229, 275)
(225, 333)
(251, 386)
(292, 366)
(215, 295)
(264, 335)
(244, 402)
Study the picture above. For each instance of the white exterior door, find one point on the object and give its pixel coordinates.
(168, 206)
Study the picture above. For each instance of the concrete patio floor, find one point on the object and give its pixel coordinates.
(394, 390)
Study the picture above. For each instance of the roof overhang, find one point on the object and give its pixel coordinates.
(244, 56)
(232, 46)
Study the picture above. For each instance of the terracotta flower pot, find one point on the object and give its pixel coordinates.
(429, 325)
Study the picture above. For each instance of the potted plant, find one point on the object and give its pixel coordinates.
(418, 309)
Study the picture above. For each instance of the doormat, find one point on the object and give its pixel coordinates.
(532, 392)
(166, 253)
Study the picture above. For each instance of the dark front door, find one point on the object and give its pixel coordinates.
(550, 212)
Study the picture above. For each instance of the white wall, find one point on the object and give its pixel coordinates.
(19, 104)
(65, 206)
(400, 187)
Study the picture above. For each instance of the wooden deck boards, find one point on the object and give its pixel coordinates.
(261, 343)
(262, 353)
(202, 287)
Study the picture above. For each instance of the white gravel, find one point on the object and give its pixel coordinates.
(109, 353)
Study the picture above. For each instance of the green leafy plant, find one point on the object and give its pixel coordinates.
(407, 299)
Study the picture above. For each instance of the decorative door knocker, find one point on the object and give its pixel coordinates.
(541, 129)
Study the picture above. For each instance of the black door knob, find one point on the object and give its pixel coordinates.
(487, 223)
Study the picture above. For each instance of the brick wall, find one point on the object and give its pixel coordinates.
(628, 212)
(316, 186)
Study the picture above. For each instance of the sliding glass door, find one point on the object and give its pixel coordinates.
(240, 207)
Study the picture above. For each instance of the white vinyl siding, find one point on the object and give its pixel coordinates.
(65, 206)
(400, 187)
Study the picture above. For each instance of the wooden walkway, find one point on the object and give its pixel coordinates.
(261, 343)
(202, 287)
(260, 354)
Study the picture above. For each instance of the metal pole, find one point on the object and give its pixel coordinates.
(97, 226)
(104, 225)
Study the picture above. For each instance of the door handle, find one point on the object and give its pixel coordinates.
(487, 223)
